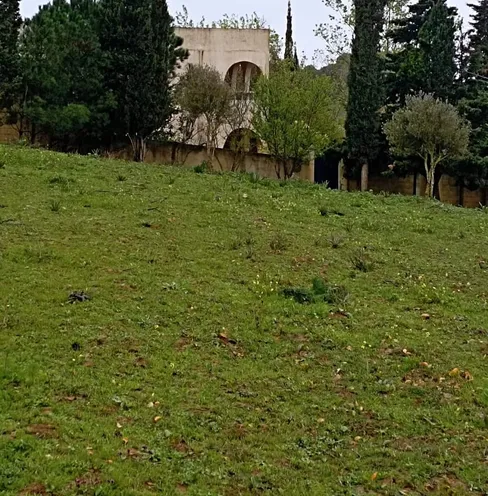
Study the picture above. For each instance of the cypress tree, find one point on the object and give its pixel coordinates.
(10, 22)
(143, 52)
(438, 51)
(289, 34)
(365, 87)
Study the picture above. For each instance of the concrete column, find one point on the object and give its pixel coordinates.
(247, 78)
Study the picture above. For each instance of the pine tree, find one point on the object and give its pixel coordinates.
(365, 86)
(63, 94)
(473, 171)
(426, 58)
(143, 52)
(10, 22)
(478, 45)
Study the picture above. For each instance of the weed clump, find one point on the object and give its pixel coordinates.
(279, 243)
(361, 261)
(55, 206)
(320, 292)
(202, 168)
(336, 241)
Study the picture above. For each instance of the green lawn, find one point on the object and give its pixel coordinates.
(189, 372)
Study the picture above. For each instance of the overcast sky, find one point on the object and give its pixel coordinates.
(306, 14)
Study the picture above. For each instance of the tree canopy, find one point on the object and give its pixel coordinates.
(295, 114)
(10, 23)
(430, 129)
(363, 123)
(142, 53)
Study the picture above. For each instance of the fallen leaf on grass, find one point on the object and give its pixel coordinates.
(125, 440)
(454, 372)
(34, 489)
(225, 339)
(91, 478)
(133, 453)
(157, 419)
(42, 430)
(140, 362)
(467, 376)
(374, 476)
(426, 316)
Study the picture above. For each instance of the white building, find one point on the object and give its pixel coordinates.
(240, 56)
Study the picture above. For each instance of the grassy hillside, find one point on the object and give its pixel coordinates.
(189, 372)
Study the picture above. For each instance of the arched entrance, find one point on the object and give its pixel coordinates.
(243, 141)
(242, 76)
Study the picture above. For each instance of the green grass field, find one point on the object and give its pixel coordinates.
(188, 371)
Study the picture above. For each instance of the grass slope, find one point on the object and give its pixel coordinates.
(189, 372)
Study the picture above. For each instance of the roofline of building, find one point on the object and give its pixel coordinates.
(268, 30)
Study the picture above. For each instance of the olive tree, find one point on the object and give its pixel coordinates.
(430, 129)
(204, 103)
(295, 114)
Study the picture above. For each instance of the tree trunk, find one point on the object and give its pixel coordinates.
(365, 176)
(429, 191)
(33, 134)
(138, 148)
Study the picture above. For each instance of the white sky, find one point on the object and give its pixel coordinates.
(306, 14)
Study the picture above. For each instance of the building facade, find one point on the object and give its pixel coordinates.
(239, 55)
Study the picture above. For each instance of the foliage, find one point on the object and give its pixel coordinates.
(10, 22)
(205, 103)
(295, 115)
(473, 169)
(478, 40)
(290, 48)
(365, 86)
(63, 94)
(425, 59)
(430, 129)
(143, 53)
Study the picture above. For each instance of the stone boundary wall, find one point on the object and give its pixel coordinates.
(449, 191)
